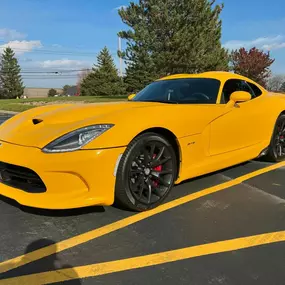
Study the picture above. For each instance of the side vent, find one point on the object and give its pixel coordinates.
(37, 121)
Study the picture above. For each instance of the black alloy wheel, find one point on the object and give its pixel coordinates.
(276, 150)
(146, 173)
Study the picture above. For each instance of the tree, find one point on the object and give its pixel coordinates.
(65, 88)
(254, 64)
(52, 92)
(10, 77)
(275, 82)
(104, 79)
(282, 88)
(81, 76)
(168, 37)
(139, 73)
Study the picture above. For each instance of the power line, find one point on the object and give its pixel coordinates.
(50, 78)
(55, 52)
(58, 71)
(49, 72)
(46, 75)
(52, 69)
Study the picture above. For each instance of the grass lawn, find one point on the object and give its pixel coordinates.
(19, 105)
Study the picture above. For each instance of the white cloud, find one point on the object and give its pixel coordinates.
(21, 47)
(120, 7)
(27, 59)
(8, 34)
(56, 45)
(63, 64)
(266, 43)
(274, 46)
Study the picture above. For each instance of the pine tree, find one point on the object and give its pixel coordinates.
(10, 77)
(104, 79)
(138, 75)
(169, 37)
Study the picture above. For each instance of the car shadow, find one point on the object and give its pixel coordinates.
(262, 165)
(101, 209)
(50, 264)
(53, 213)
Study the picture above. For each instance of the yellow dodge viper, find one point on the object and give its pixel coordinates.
(178, 127)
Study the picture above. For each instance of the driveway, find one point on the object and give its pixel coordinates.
(223, 228)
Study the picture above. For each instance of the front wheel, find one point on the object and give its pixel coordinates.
(146, 173)
(276, 150)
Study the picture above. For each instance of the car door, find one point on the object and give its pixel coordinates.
(239, 125)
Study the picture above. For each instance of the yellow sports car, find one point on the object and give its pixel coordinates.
(178, 127)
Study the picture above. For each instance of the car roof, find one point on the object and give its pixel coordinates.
(219, 75)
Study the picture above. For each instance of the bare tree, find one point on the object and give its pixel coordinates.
(282, 88)
(81, 75)
(275, 82)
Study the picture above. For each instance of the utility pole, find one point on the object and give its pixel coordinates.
(120, 58)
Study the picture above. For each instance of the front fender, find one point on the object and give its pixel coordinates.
(120, 136)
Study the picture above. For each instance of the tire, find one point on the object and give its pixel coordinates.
(276, 149)
(146, 173)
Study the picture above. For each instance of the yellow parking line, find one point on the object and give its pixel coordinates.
(82, 238)
(98, 269)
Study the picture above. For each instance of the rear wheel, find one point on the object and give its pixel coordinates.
(276, 150)
(146, 173)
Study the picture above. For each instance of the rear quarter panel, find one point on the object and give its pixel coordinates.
(274, 105)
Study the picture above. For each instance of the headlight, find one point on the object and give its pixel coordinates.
(76, 139)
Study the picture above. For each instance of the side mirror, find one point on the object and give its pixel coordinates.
(130, 97)
(238, 97)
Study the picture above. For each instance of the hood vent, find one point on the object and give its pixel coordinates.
(37, 121)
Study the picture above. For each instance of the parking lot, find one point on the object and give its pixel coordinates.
(223, 228)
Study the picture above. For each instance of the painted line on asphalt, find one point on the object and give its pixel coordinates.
(91, 235)
(104, 268)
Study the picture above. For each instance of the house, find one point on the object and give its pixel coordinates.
(31, 92)
(72, 91)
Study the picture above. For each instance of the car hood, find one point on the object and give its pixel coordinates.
(39, 126)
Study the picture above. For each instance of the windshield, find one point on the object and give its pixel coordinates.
(181, 91)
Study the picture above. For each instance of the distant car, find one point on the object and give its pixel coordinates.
(179, 127)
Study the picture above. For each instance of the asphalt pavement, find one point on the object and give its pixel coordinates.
(4, 117)
(223, 228)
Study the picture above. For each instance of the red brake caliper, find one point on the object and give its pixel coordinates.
(280, 137)
(157, 168)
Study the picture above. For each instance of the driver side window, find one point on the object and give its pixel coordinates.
(233, 85)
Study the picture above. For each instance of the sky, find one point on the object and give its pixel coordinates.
(56, 38)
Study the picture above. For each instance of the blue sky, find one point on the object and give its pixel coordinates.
(52, 35)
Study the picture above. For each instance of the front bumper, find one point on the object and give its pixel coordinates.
(73, 179)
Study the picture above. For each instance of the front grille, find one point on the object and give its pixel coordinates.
(21, 178)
